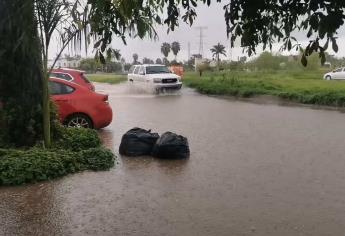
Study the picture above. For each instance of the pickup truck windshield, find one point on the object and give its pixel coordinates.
(157, 70)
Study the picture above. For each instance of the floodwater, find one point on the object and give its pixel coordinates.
(255, 169)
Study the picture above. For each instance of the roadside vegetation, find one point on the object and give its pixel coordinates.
(274, 75)
(107, 78)
(73, 150)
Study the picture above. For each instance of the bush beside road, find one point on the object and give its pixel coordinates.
(73, 150)
(301, 86)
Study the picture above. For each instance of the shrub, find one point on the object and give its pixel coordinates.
(33, 165)
(77, 139)
(97, 158)
(74, 150)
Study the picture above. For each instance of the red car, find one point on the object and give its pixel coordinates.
(79, 106)
(76, 76)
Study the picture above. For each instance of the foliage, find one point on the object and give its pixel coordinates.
(307, 87)
(20, 66)
(175, 48)
(97, 158)
(260, 22)
(166, 61)
(254, 22)
(268, 61)
(135, 58)
(73, 150)
(218, 50)
(165, 49)
(148, 61)
(159, 61)
(76, 139)
(36, 164)
(111, 67)
(90, 65)
(202, 67)
(127, 66)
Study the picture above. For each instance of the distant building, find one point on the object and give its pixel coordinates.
(65, 63)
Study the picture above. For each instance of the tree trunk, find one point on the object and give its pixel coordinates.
(45, 102)
(20, 73)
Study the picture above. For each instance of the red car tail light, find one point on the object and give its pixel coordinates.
(105, 98)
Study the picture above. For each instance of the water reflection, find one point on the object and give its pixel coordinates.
(107, 137)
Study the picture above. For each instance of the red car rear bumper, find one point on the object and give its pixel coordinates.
(102, 117)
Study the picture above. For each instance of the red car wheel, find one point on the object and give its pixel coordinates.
(79, 121)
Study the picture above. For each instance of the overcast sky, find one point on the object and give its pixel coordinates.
(211, 17)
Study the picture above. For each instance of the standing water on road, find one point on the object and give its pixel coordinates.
(254, 169)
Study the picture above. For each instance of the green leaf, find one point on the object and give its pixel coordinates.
(325, 47)
(97, 44)
(334, 45)
(101, 58)
(304, 60)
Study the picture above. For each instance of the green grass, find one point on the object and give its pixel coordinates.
(300, 86)
(107, 78)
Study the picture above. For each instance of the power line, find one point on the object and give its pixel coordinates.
(201, 39)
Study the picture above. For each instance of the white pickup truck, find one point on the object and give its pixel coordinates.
(158, 77)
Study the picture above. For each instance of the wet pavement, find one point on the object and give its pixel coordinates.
(255, 169)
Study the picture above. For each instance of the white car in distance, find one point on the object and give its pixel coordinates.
(154, 76)
(336, 74)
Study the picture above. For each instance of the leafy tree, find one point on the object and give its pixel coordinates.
(90, 65)
(135, 58)
(257, 22)
(165, 49)
(166, 61)
(159, 61)
(175, 48)
(147, 61)
(127, 66)
(266, 61)
(111, 67)
(61, 17)
(20, 73)
(218, 50)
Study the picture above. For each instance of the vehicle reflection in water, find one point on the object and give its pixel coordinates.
(254, 169)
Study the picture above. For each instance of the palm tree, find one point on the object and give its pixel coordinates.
(175, 47)
(165, 49)
(135, 58)
(218, 50)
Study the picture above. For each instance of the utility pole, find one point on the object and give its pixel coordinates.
(188, 51)
(230, 50)
(201, 39)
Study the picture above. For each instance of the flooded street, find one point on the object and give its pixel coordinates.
(255, 169)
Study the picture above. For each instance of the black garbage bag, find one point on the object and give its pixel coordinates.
(171, 146)
(137, 142)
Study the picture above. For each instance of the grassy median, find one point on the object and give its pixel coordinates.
(107, 78)
(302, 86)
